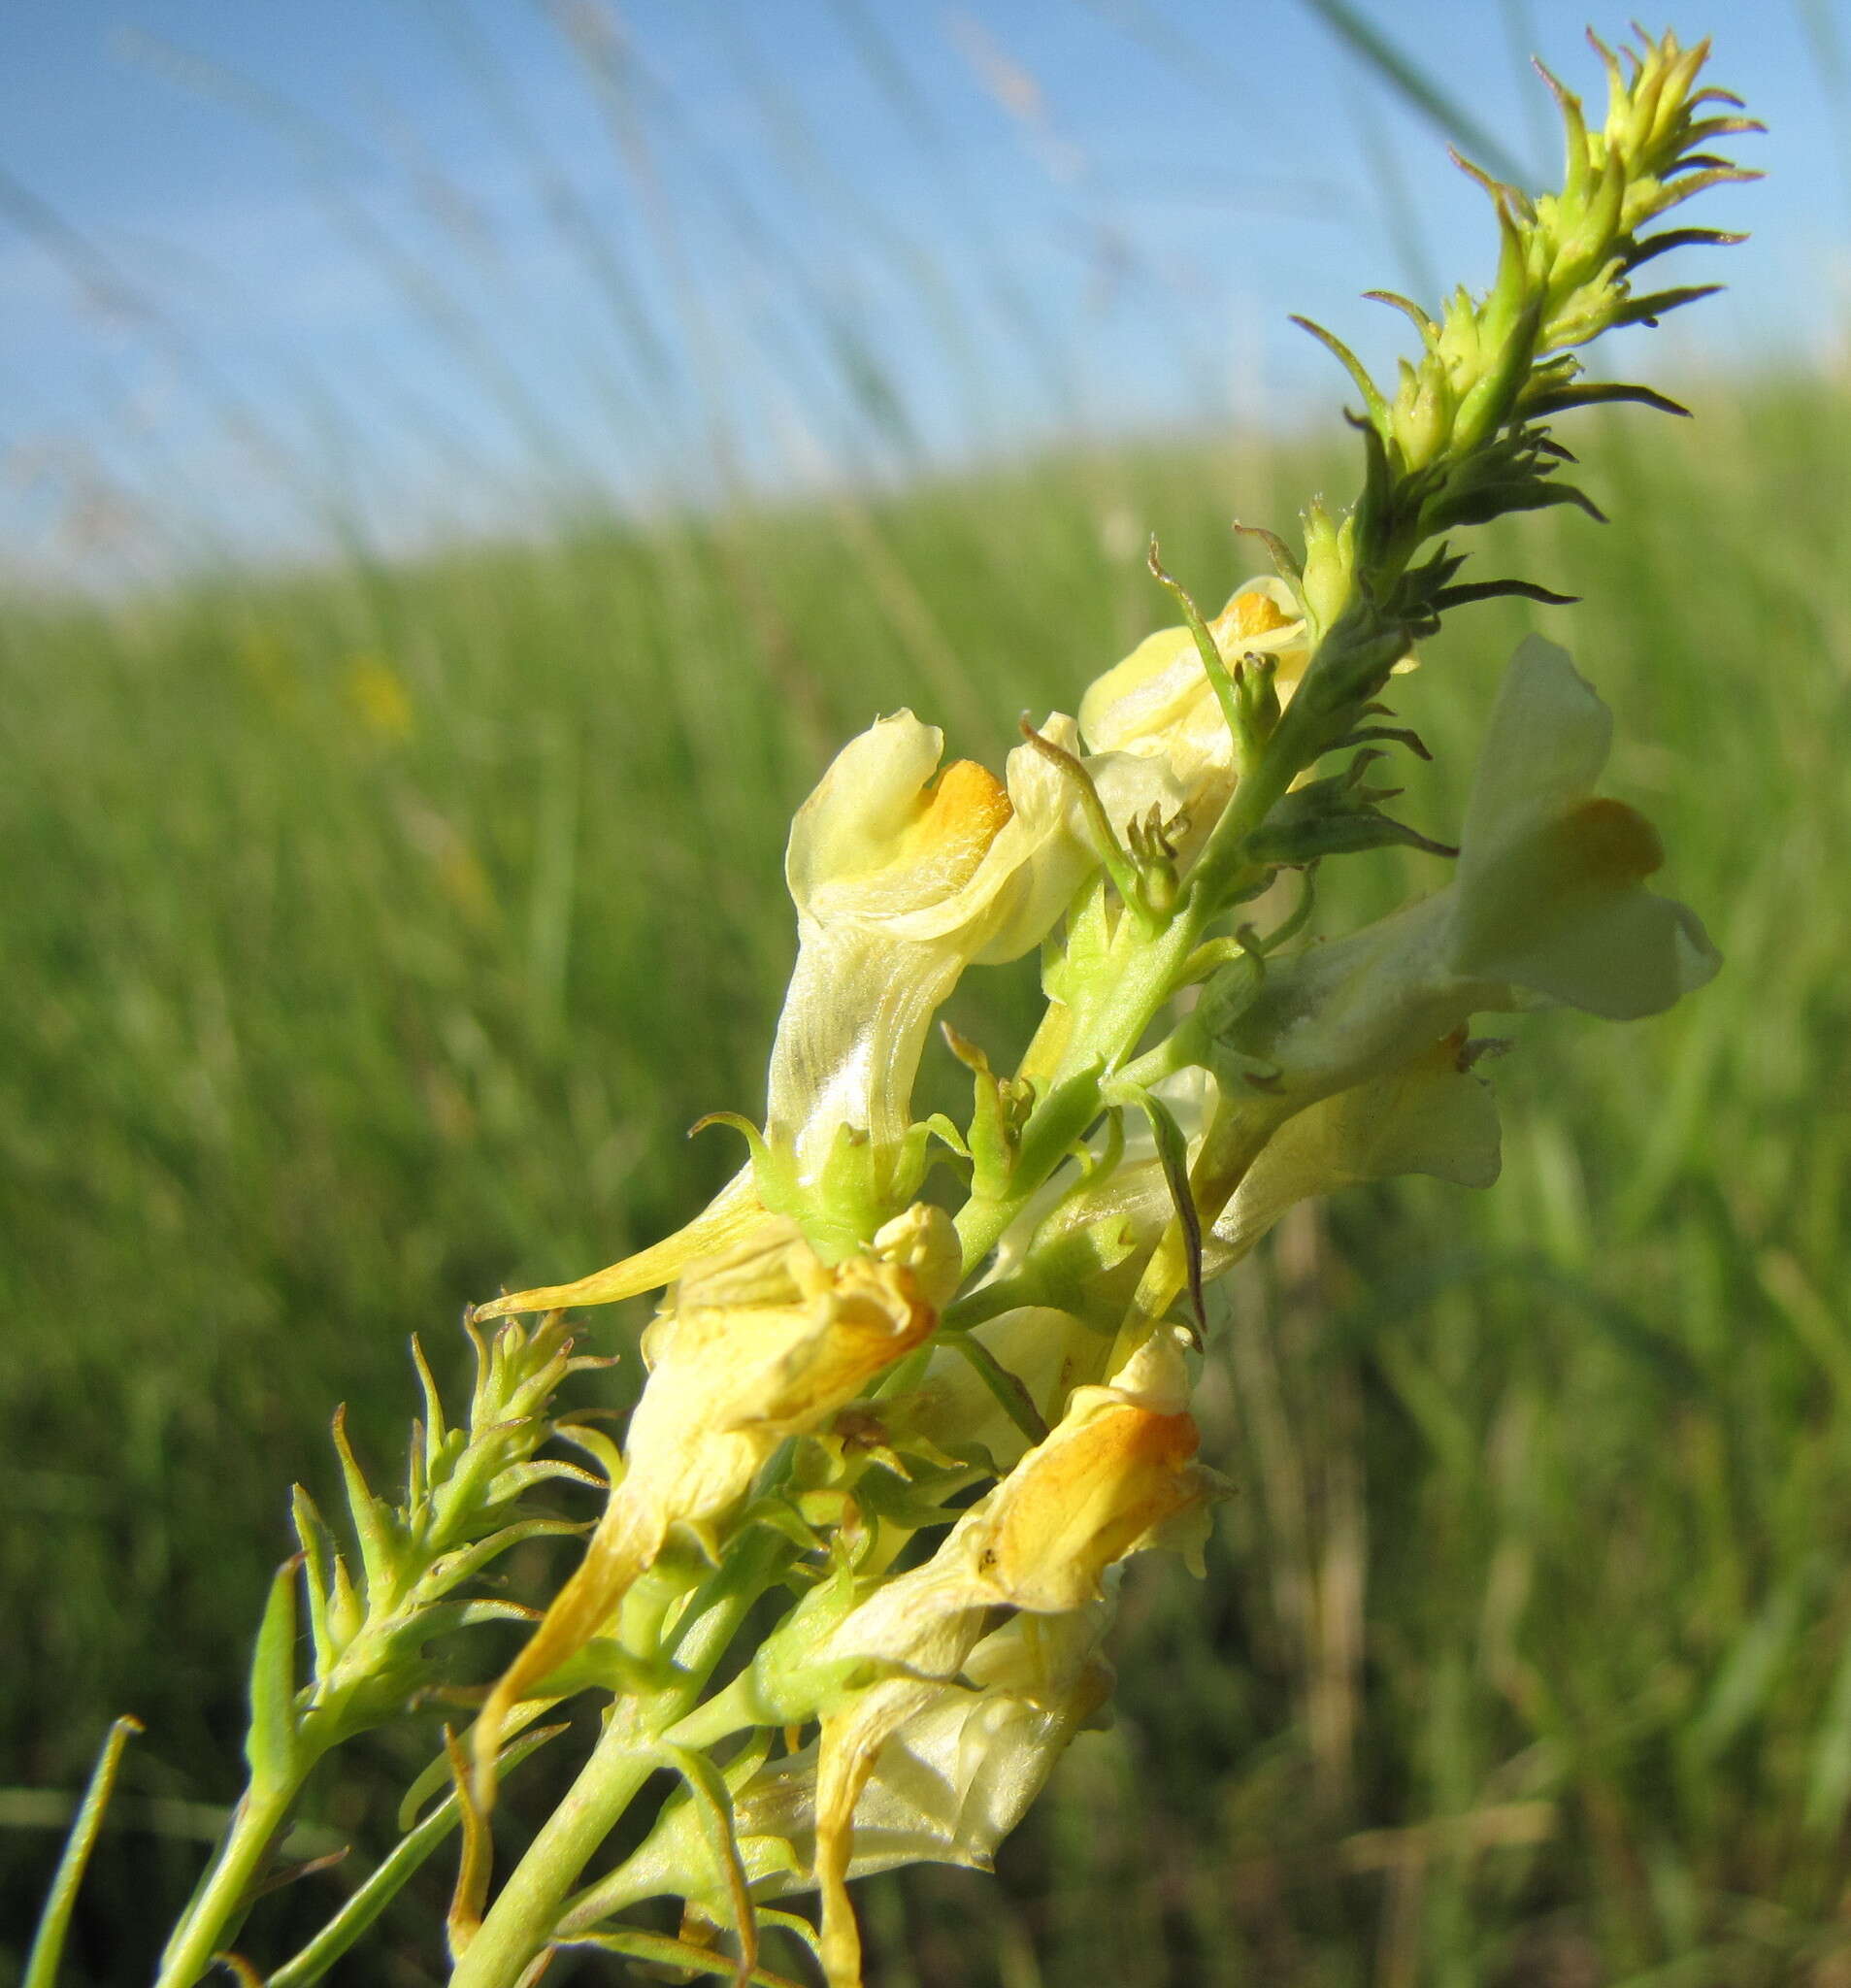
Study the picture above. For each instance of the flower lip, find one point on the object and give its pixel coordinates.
(1606, 841)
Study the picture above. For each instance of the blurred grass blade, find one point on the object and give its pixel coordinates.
(1417, 89)
(55, 1921)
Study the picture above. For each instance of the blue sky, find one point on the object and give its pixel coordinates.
(275, 274)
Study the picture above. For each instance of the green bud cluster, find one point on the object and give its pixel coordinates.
(1464, 437)
(371, 1614)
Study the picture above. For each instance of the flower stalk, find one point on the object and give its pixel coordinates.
(927, 1438)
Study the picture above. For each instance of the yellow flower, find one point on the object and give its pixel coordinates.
(1050, 1351)
(946, 1785)
(761, 1343)
(1159, 700)
(902, 876)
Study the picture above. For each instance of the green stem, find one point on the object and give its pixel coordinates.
(215, 1913)
(524, 1916)
(1149, 971)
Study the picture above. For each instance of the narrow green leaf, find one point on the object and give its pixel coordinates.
(1371, 394)
(1172, 1153)
(444, 1575)
(1285, 562)
(1466, 592)
(1598, 394)
(1681, 238)
(55, 1920)
(1830, 1787)
(1340, 834)
(1748, 1674)
(270, 1744)
(1428, 330)
(713, 1801)
(1012, 1396)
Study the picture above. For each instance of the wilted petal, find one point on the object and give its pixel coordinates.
(1118, 1474)
(762, 1343)
(733, 1215)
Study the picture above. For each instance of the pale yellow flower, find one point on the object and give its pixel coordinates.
(903, 875)
(945, 1785)
(1430, 1115)
(1159, 700)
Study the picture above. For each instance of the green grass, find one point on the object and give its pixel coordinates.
(374, 934)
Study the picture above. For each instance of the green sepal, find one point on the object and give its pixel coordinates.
(1069, 971)
(271, 1749)
(994, 1121)
(347, 1612)
(1354, 367)
(1172, 1154)
(374, 1526)
(317, 1557)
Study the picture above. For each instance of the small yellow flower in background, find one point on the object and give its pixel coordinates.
(376, 695)
(761, 1343)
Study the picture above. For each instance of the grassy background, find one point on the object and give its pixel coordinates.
(374, 934)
